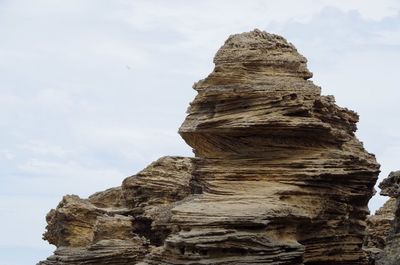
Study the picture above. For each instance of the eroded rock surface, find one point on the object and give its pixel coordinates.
(120, 225)
(278, 177)
(379, 224)
(378, 230)
(391, 252)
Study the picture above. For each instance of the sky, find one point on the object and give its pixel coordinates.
(92, 91)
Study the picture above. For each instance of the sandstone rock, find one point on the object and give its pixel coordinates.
(391, 253)
(391, 185)
(278, 177)
(379, 224)
(378, 229)
(115, 226)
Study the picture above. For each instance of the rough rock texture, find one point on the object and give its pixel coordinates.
(115, 226)
(390, 186)
(379, 224)
(391, 253)
(278, 177)
(378, 229)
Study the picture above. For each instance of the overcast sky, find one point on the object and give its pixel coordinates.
(91, 91)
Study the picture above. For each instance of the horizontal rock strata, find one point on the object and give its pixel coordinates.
(379, 224)
(278, 177)
(120, 225)
(391, 253)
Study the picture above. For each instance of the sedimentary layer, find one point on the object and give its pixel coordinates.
(278, 177)
(379, 224)
(391, 252)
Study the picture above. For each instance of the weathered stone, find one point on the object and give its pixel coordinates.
(116, 226)
(103, 252)
(390, 186)
(379, 224)
(278, 177)
(391, 253)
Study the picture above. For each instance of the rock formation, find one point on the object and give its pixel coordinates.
(278, 177)
(391, 252)
(378, 229)
(379, 224)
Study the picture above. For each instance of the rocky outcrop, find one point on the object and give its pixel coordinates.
(120, 225)
(378, 229)
(391, 253)
(278, 177)
(379, 224)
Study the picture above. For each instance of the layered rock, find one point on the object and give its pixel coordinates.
(278, 177)
(378, 229)
(120, 225)
(391, 253)
(379, 224)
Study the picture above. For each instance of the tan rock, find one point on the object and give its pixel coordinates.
(278, 176)
(379, 224)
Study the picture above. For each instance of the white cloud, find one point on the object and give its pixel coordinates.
(368, 9)
(389, 37)
(43, 149)
(54, 177)
(75, 119)
(7, 154)
(15, 211)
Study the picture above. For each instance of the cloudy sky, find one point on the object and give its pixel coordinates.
(91, 91)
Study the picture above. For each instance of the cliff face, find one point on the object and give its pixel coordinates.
(278, 177)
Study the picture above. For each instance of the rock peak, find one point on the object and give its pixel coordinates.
(261, 53)
(390, 186)
(259, 84)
